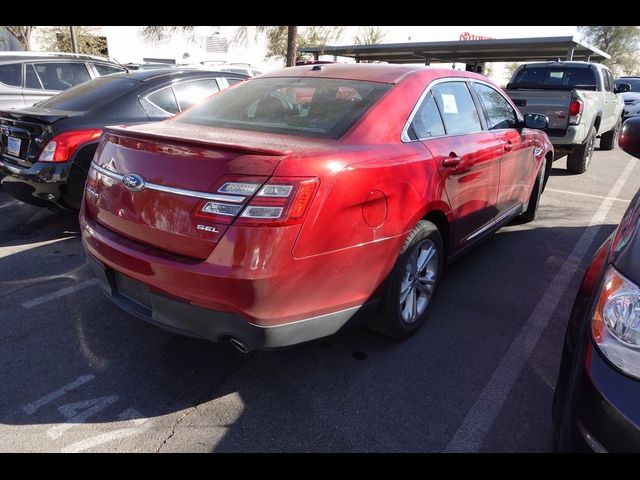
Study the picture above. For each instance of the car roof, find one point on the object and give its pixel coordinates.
(372, 72)
(167, 73)
(7, 57)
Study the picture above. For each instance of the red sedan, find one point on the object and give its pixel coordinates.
(264, 221)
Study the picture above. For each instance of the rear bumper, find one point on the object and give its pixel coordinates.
(190, 320)
(40, 185)
(575, 135)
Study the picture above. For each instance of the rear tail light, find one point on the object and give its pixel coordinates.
(62, 147)
(575, 111)
(280, 201)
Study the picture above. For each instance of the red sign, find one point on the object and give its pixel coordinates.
(469, 36)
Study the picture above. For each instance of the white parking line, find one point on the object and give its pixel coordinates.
(78, 412)
(31, 408)
(600, 197)
(59, 293)
(480, 418)
(7, 251)
(139, 422)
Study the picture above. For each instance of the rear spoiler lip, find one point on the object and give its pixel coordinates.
(40, 117)
(124, 132)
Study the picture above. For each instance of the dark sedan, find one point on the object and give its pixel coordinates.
(596, 405)
(45, 150)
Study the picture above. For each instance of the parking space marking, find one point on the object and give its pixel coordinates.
(7, 251)
(60, 293)
(140, 425)
(31, 408)
(569, 192)
(78, 412)
(481, 416)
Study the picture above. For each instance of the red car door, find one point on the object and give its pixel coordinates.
(518, 164)
(468, 158)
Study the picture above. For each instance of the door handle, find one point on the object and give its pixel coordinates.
(508, 147)
(451, 161)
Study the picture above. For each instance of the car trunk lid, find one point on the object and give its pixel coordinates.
(181, 166)
(24, 133)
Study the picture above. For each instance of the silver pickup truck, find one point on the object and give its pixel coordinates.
(579, 98)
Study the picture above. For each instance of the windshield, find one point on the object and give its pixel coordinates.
(559, 76)
(315, 107)
(90, 95)
(634, 82)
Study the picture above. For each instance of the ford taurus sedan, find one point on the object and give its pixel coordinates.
(308, 199)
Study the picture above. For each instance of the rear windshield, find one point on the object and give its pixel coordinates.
(90, 95)
(314, 107)
(562, 77)
(633, 82)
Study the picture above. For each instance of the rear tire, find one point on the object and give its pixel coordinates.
(578, 161)
(413, 283)
(531, 212)
(609, 140)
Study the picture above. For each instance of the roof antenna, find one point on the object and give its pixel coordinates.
(125, 68)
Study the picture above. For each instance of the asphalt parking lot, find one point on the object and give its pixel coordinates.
(77, 374)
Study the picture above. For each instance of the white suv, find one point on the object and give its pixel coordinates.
(29, 77)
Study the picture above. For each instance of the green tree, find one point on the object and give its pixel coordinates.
(58, 39)
(23, 34)
(621, 42)
(368, 36)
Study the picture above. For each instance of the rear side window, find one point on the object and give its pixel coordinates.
(315, 107)
(190, 93)
(561, 77)
(91, 95)
(457, 108)
(11, 74)
(60, 76)
(106, 69)
(500, 113)
(233, 81)
(427, 121)
(165, 100)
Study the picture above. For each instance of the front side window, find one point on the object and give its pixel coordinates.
(190, 93)
(11, 74)
(316, 107)
(427, 121)
(60, 76)
(500, 114)
(457, 108)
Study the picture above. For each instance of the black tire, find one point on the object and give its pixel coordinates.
(391, 320)
(529, 215)
(578, 161)
(609, 140)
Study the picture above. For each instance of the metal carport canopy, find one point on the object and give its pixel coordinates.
(469, 51)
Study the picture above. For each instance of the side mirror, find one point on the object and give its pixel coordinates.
(629, 139)
(621, 88)
(536, 120)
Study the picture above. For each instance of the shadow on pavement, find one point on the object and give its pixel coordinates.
(355, 391)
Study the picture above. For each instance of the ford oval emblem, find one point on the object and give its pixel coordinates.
(133, 182)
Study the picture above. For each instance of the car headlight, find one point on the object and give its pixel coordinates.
(615, 325)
